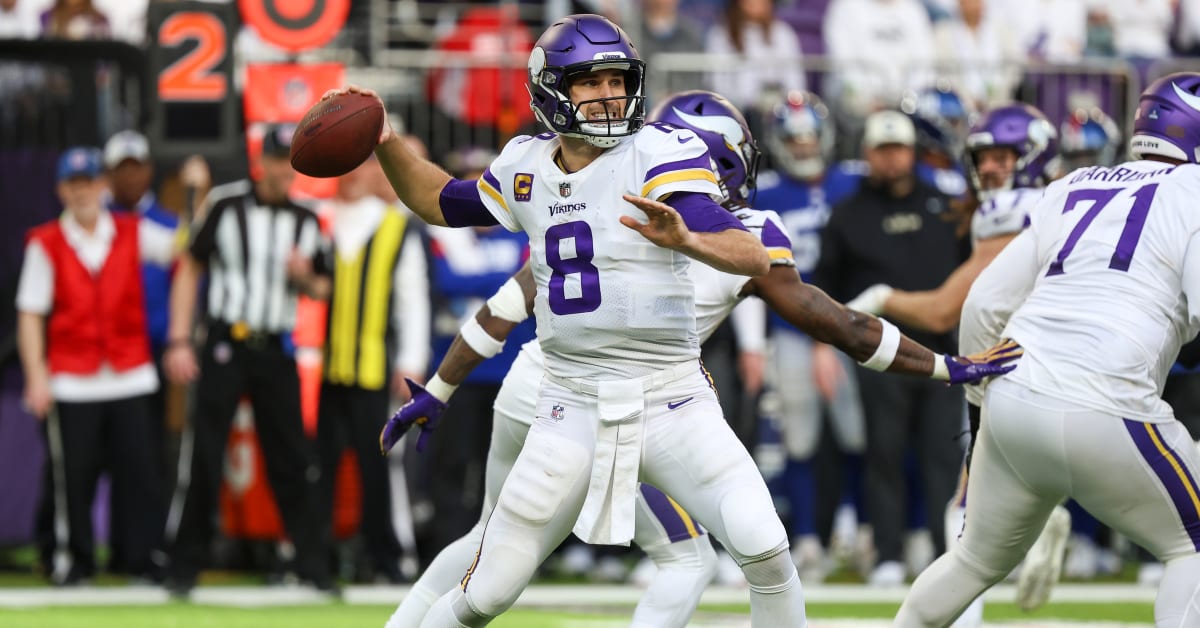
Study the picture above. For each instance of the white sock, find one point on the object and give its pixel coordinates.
(941, 593)
(776, 597)
(443, 574)
(441, 614)
(1178, 602)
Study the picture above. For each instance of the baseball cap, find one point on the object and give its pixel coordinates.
(79, 161)
(889, 127)
(277, 140)
(126, 145)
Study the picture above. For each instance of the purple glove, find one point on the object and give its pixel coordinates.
(423, 409)
(973, 368)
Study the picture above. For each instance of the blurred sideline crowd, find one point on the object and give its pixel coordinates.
(197, 298)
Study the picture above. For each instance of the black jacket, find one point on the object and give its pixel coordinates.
(908, 243)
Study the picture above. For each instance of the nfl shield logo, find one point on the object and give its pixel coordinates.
(557, 412)
(564, 189)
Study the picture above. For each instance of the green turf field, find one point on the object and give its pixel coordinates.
(340, 615)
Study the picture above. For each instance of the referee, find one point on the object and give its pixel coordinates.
(256, 245)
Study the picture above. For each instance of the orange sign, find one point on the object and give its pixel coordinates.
(296, 25)
(283, 92)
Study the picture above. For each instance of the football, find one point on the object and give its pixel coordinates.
(336, 135)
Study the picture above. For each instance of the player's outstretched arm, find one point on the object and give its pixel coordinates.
(417, 181)
(871, 341)
(733, 250)
(481, 338)
(938, 310)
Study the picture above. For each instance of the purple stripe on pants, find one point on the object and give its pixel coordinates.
(1177, 482)
(666, 514)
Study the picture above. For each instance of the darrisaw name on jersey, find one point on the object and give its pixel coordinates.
(1099, 173)
(562, 208)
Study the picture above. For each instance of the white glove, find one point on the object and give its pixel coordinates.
(872, 300)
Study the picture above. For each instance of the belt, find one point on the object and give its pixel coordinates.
(657, 379)
(240, 332)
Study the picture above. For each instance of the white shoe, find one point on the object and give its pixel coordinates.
(643, 574)
(889, 573)
(1044, 562)
(728, 572)
(1083, 559)
(1150, 574)
(809, 558)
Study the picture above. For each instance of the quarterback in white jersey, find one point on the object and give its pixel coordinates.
(662, 528)
(1102, 290)
(616, 316)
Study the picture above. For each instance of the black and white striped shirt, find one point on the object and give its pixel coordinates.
(245, 245)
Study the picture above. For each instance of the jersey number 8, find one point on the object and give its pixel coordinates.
(581, 264)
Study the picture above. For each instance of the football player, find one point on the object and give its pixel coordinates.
(660, 522)
(1102, 290)
(1011, 157)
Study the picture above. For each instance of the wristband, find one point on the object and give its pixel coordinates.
(439, 388)
(940, 370)
(479, 340)
(179, 342)
(509, 302)
(885, 353)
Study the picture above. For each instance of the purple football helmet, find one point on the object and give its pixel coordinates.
(1167, 121)
(579, 44)
(1024, 129)
(800, 135)
(719, 124)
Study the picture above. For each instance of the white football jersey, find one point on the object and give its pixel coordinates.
(717, 293)
(1005, 213)
(1118, 263)
(610, 304)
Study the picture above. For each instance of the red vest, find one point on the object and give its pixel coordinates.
(95, 319)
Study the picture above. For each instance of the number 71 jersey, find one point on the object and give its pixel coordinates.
(1118, 261)
(610, 304)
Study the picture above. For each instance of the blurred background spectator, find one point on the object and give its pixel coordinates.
(893, 230)
(878, 49)
(767, 54)
(975, 50)
(75, 19)
(18, 20)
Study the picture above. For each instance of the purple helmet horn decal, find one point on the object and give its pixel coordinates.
(723, 129)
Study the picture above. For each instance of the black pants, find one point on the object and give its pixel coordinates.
(353, 417)
(457, 461)
(95, 437)
(268, 375)
(903, 412)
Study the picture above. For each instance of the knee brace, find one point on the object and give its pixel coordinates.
(752, 527)
(770, 572)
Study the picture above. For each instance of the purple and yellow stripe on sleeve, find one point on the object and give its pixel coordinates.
(778, 245)
(488, 184)
(694, 169)
(1173, 474)
(678, 525)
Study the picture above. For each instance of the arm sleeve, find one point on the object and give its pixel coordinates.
(701, 214)
(410, 294)
(1191, 283)
(463, 205)
(35, 292)
(750, 325)
(997, 293)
